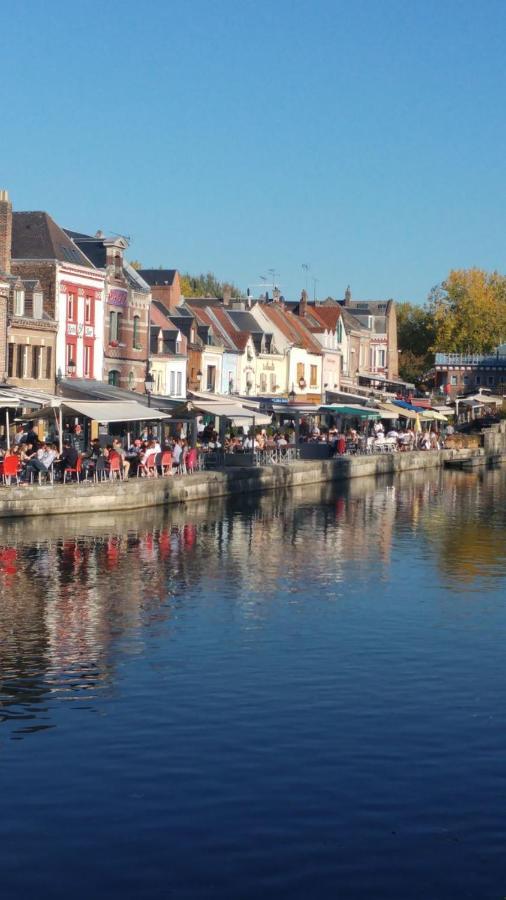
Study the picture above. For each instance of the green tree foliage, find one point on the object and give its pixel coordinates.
(206, 285)
(415, 337)
(136, 264)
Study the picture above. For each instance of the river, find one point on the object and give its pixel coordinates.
(289, 696)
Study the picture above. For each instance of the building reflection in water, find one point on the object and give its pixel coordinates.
(75, 590)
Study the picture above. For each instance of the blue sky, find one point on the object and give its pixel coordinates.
(367, 139)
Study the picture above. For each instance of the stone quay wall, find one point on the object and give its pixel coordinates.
(139, 493)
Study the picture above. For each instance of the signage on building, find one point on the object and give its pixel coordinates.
(117, 297)
(88, 331)
(71, 328)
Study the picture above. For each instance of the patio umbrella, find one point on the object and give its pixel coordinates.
(418, 424)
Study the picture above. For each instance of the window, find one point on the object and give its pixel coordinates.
(10, 360)
(313, 380)
(491, 379)
(211, 378)
(113, 377)
(71, 307)
(22, 360)
(36, 361)
(178, 346)
(273, 381)
(478, 379)
(300, 372)
(136, 339)
(339, 331)
(453, 380)
(37, 305)
(49, 362)
(179, 384)
(263, 382)
(466, 379)
(88, 364)
(114, 327)
(19, 302)
(172, 388)
(70, 355)
(131, 381)
(380, 357)
(88, 318)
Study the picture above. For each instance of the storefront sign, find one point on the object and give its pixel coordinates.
(117, 297)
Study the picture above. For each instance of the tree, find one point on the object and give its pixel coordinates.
(136, 264)
(205, 285)
(469, 311)
(415, 336)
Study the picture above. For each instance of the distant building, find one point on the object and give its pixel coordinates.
(380, 319)
(463, 373)
(27, 329)
(126, 311)
(73, 292)
(165, 286)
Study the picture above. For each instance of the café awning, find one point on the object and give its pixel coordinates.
(104, 411)
(358, 412)
(233, 411)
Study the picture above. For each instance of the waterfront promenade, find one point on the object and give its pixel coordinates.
(57, 499)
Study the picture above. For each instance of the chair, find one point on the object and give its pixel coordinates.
(166, 462)
(116, 468)
(148, 467)
(49, 473)
(10, 468)
(69, 470)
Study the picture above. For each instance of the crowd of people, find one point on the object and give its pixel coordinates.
(31, 460)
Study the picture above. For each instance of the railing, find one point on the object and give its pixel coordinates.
(470, 359)
(276, 456)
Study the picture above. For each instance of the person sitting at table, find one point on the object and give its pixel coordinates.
(41, 461)
(117, 446)
(68, 458)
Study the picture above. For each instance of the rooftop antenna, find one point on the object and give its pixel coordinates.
(305, 268)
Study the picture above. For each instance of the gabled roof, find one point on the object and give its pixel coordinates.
(160, 318)
(244, 321)
(35, 235)
(238, 339)
(292, 327)
(158, 277)
(351, 323)
(92, 247)
(327, 316)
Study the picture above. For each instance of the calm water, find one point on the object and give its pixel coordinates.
(293, 696)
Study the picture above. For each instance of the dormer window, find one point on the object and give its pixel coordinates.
(19, 302)
(37, 304)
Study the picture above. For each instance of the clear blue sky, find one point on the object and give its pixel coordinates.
(366, 138)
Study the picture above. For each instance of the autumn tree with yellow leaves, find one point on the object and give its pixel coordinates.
(468, 311)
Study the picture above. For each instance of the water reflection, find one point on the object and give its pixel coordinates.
(82, 592)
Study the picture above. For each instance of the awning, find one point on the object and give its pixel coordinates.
(368, 376)
(398, 411)
(233, 411)
(103, 411)
(357, 412)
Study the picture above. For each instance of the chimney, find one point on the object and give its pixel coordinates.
(5, 232)
(347, 296)
(303, 304)
(227, 295)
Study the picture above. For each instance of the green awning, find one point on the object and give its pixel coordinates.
(356, 412)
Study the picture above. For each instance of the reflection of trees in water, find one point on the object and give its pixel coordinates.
(75, 599)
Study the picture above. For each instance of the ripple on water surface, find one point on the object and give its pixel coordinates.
(294, 695)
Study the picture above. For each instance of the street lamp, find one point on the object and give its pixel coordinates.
(292, 395)
(149, 383)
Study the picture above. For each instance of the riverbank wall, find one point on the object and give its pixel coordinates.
(139, 493)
